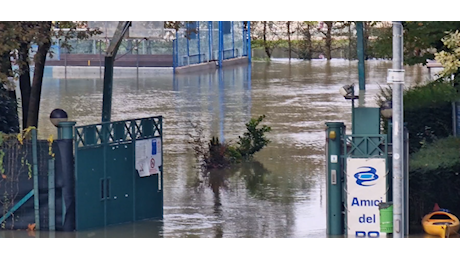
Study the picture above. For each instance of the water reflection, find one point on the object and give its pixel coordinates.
(254, 173)
(281, 193)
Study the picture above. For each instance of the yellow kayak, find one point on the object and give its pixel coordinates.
(440, 223)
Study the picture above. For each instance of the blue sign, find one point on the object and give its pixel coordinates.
(363, 177)
(154, 147)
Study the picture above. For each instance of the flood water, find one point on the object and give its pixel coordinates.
(281, 193)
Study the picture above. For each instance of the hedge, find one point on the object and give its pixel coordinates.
(427, 111)
(434, 178)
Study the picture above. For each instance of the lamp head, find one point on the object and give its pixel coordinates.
(347, 90)
(58, 115)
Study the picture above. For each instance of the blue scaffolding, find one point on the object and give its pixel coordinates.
(211, 41)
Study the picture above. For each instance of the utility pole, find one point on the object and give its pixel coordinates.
(398, 133)
(121, 30)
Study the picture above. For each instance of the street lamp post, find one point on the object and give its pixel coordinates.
(348, 92)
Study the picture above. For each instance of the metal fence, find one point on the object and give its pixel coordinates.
(31, 193)
(127, 46)
(200, 42)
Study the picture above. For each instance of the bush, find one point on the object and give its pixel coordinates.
(427, 111)
(218, 155)
(434, 178)
(253, 139)
(434, 161)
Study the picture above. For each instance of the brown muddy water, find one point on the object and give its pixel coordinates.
(280, 194)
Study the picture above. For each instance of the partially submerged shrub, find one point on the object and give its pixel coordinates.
(214, 154)
(253, 139)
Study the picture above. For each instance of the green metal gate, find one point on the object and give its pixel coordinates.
(108, 187)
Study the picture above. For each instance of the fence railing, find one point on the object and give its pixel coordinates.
(117, 131)
(366, 145)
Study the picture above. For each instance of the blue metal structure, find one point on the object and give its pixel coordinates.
(203, 42)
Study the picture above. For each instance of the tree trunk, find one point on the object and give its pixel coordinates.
(349, 41)
(267, 48)
(328, 40)
(289, 38)
(24, 81)
(309, 43)
(35, 94)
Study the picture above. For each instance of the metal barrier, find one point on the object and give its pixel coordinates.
(26, 172)
(119, 172)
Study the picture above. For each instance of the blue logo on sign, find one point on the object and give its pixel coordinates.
(363, 177)
(154, 147)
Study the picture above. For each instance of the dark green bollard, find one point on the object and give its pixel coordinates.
(65, 170)
(334, 187)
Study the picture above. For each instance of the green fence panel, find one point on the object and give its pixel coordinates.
(366, 123)
(120, 171)
(147, 195)
(89, 188)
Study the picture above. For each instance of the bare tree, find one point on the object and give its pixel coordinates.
(288, 25)
(267, 32)
(328, 37)
(267, 48)
(303, 47)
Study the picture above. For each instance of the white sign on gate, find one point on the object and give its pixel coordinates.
(148, 156)
(366, 188)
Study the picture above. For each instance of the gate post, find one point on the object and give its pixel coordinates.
(334, 187)
(65, 168)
